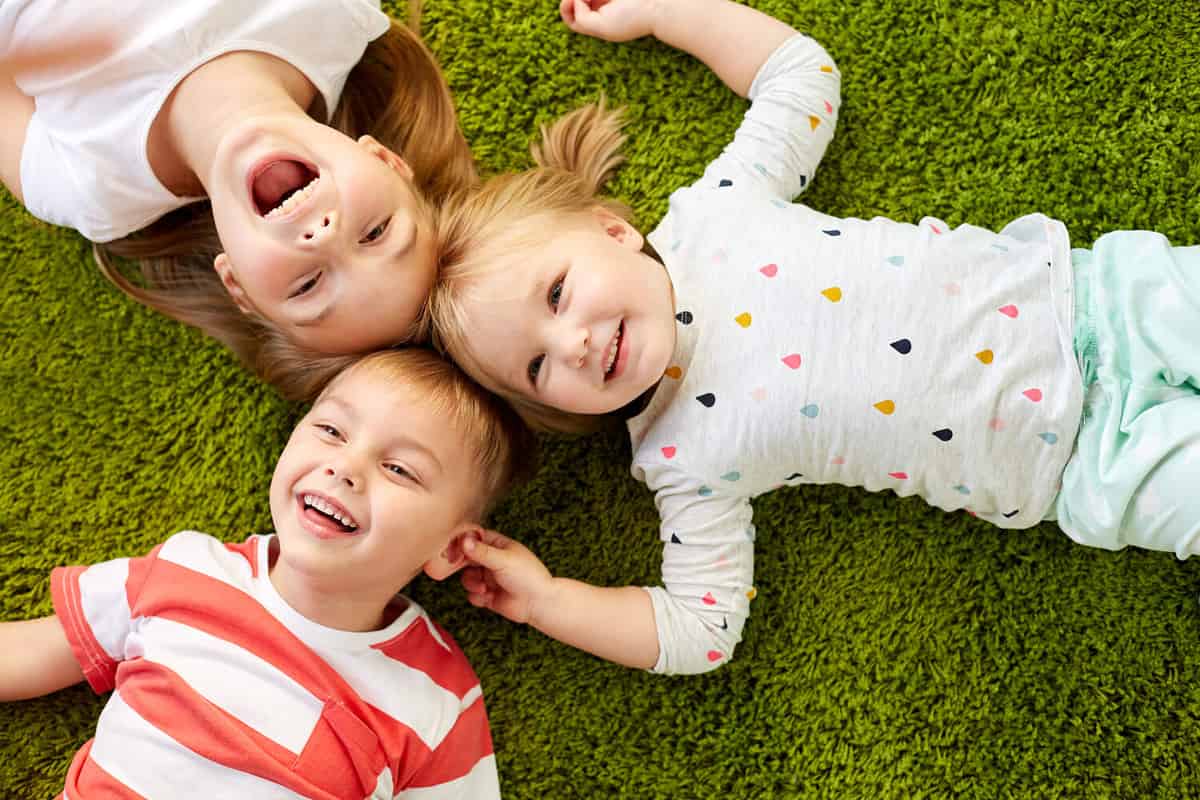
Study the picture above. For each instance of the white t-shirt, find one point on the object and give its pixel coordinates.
(917, 358)
(84, 162)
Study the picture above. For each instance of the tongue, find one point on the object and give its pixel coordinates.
(276, 182)
(324, 520)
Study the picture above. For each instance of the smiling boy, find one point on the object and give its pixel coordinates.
(287, 665)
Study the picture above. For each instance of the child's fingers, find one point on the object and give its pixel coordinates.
(480, 599)
(494, 538)
(584, 17)
(566, 10)
(494, 551)
(473, 579)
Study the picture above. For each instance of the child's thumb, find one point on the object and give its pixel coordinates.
(483, 554)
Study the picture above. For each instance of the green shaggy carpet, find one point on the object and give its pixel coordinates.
(894, 651)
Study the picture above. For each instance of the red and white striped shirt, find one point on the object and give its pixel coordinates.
(223, 690)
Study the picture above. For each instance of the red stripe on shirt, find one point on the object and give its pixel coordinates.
(85, 779)
(247, 550)
(468, 741)
(159, 696)
(230, 614)
(98, 667)
(139, 573)
(446, 666)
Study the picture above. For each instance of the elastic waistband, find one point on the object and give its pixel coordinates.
(1087, 350)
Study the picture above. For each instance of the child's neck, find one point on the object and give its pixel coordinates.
(216, 95)
(356, 610)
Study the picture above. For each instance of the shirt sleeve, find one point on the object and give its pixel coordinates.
(463, 766)
(707, 571)
(93, 603)
(793, 112)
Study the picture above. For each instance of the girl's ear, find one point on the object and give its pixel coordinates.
(230, 282)
(618, 228)
(387, 156)
(452, 558)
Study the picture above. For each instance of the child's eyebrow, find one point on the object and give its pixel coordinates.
(394, 437)
(346, 408)
(539, 289)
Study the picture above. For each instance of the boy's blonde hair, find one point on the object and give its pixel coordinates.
(483, 231)
(397, 94)
(505, 448)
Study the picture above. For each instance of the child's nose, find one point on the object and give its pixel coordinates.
(322, 227)
(576, 347)
(342, 473)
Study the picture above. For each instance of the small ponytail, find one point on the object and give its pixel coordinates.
(587, 143)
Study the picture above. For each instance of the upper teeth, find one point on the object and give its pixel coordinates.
(295, 199)
(325, 508)
(613, 346)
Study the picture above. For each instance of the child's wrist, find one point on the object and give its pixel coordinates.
(660, 13)
(544, 603)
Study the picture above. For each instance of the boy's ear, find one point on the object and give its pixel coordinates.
(618, 228)
(385, 155)
(452, 558)
(230, 282)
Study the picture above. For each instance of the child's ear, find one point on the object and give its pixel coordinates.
(385, 155)
(230, 282)
(618, 228)
(451, 558)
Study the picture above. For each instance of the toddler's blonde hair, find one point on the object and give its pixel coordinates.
(397, 94)
(485, 230)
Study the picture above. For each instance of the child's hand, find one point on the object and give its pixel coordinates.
(611, 20)
(504, 576)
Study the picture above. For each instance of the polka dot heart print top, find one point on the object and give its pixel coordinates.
(923, 359)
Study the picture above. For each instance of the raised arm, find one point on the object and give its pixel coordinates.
(37, 659)
(793, 83)
(733, 40)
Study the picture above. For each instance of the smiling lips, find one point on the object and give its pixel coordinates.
(614, 349)
(325, 517)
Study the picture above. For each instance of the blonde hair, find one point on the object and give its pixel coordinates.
(397, 94)
(505, 449)
(482, 231)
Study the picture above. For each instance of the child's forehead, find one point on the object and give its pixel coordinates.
(394, 403)
(382, 395)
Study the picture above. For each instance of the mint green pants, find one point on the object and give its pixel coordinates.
(1134, 476)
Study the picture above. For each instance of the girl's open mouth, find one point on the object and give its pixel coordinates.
(279, 185)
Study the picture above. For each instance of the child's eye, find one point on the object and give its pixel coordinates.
(376, 232)
(535, 367)
(329, 430)
(396, 469)
(555, 293)
(307, 286)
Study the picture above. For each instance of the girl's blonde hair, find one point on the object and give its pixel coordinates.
(482, 231)
(397, 94)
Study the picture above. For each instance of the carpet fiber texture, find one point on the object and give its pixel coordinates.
(894, 651)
